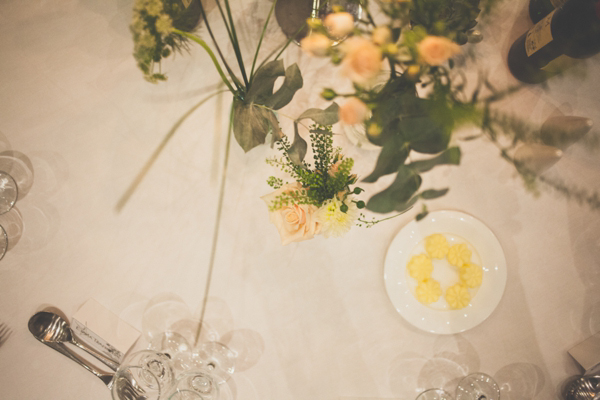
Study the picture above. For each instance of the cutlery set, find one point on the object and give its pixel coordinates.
(55, 332)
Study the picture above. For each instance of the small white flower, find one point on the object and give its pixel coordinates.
(334, 222)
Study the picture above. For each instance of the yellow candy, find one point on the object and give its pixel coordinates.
(458, 296)
(436, 245)
(420, 267)
(459, 255)
(471, 275)
(429, 291)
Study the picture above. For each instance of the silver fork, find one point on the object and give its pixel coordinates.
(5, 333)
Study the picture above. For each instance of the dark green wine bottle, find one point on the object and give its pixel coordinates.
(570, 31)
(538, 9)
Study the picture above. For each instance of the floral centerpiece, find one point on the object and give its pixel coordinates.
(409, 92)
(321, 199)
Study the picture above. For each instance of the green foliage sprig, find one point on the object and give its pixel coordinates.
(330, 177)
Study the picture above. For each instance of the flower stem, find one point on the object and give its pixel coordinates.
(284, 46)
(262, 35)
(213, 250)
(236, 44)
(138, 179)
(235, 80)
(212, 56)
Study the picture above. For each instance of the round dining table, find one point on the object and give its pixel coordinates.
(310, 320)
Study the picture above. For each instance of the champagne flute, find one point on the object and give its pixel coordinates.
(477, 386)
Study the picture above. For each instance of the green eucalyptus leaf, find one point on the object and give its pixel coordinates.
(251, 124)
(422, 215)
(450, 156)
(425, 134)
(328, 116)
(392, 156)
(297, 150)
(397, 195)
(291, 84)
(433, 193)
(398, 97)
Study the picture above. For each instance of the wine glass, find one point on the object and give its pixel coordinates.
(193, 385)
(477, 386)
(8, 192)
(145, 374)
(434, 394)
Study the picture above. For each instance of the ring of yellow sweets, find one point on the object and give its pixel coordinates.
(420, 267)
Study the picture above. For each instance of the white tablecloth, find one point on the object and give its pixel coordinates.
(310, 320)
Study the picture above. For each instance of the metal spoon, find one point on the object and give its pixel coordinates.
(49, 328)
(64, 350)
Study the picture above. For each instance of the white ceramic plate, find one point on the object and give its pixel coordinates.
(438, 317)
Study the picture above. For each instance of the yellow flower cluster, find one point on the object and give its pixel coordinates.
(420, 267)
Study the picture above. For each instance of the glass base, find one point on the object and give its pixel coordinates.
(434, 394)
(8, 192)
(477, 386)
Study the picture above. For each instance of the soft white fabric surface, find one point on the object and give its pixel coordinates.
(310, 320)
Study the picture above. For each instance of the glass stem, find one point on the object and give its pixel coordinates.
(315, 8)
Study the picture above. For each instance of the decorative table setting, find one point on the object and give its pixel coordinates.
(337, 200)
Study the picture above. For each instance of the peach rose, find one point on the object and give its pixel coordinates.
(335, 168)
(353, 111)
(435, 50)
(295, 222)
(316, 44)
(339, 24)
(381, 35)
(362, 60)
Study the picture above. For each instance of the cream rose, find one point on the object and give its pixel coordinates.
(435, 50)
(295, 222)
(339, 24)
(353, 111)
(362, 60)
(316, 44)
